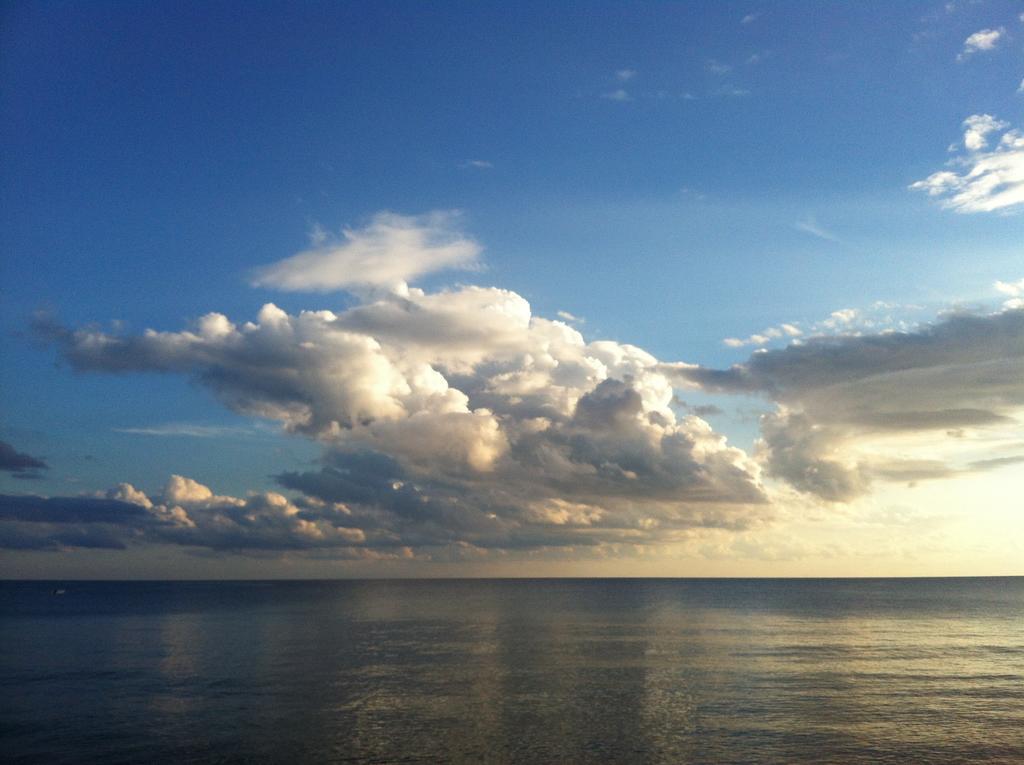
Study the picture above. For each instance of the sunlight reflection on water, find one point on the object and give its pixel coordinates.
(500, 671)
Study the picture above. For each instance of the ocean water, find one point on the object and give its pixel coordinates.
(492, 671)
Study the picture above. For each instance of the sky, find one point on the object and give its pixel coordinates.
(530, 289)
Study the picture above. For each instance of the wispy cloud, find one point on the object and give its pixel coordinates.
(387, 253)
(981, 41)
(187, 429)
(566, 316)
(732, 91)
(750, 18)
(812, 227)
(478, 164)
(718, 67)
(619, 94)
(625, 75)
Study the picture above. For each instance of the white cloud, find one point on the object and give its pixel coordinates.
(617, 95)
(625, 75)
(187, 429)
(459, 417)
(991, 180)
(880, 317)
(977, 128)
(479, 164)
(1013, 289)
(842, 317)
(981, 41)
(765, 336)
(390, 251)
(750, 18)
(474, 408)
(1014, 292)
(811, 226)
(718, 67)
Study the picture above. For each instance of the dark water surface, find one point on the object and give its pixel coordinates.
(551, 671)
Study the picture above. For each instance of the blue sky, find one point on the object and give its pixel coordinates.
(672, 174)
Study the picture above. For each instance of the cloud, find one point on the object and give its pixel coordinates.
(701, 410)
(617, 95)
(625, 75)
(1014, 291)
(566, 316)
(19, 464)
(474, 413)
(850, 406)
(478, 164)
(718, 67)
(992, 179)
(186, 429)
(810, 226)
(750, 18)
(765, 336)
(387, 253)
(981, 41)
(977, 129)
(186, 513)
(458, 417)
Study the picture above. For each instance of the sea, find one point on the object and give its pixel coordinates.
(514, 671)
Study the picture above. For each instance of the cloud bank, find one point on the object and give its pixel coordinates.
(458, 417)
(853, 409)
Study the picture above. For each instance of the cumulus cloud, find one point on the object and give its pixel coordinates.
(1014, 291)
(385, 254)
(850, 406)
(19, 464)
(981, 41)
(186, 513)
(458, 417)
(992, 176)
(475, 413)
(765, 336)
